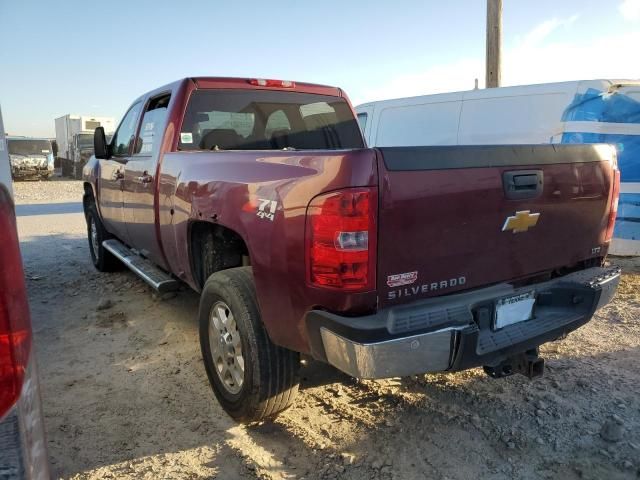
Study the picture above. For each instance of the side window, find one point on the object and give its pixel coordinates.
(127, 129)
(152, 126)
(277, 121)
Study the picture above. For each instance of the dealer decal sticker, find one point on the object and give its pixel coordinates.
(400, 279)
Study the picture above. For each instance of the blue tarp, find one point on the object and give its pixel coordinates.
(597, 106)
(628, 150)
(628, 219)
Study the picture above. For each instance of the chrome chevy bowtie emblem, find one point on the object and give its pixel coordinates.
(521, 221)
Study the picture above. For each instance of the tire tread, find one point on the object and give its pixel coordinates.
(277, 368)
(105, 261)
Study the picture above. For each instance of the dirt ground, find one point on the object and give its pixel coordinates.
(126, 396)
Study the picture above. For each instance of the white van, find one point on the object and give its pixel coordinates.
(584, 111)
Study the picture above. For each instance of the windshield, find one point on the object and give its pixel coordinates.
(29, 147)
(267, 120)
(85, 140)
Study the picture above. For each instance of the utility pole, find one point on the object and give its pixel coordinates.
(494, 43)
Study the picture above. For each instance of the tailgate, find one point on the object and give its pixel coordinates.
(449, 216)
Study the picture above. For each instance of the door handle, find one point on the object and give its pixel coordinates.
(145, 178)
(522, 182)
(117, 175)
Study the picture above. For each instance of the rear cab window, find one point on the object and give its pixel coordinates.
(277, 121)
(267, 120)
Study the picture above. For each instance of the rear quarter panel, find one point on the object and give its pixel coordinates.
(227, 188)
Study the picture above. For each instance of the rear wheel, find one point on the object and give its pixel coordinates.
(252, 378)
(102, 259)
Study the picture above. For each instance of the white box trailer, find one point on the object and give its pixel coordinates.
(70, 129)
(582, 111)
(69, 125)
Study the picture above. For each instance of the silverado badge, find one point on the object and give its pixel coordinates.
(521, 221)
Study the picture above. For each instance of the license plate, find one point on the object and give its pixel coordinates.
(515, 309)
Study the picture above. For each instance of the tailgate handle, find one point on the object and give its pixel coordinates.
(522, 184)
(525, 182)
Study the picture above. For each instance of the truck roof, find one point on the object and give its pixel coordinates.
(237, 82)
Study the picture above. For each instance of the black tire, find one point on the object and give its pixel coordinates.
(102, 259)
(271, 373)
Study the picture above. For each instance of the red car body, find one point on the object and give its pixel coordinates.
(23, 447)
(438, 220)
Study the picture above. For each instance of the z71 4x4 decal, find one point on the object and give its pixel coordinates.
(266, 208)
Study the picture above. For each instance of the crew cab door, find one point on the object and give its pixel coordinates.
(110, 191)
(140, 182)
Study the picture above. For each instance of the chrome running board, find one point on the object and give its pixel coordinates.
(147, 271)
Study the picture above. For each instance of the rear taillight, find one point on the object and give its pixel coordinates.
(15, 330)
(615, 195)
(341, 239)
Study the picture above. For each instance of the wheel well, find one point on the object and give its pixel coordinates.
(214, 248)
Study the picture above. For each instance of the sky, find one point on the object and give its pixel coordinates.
(95, 58)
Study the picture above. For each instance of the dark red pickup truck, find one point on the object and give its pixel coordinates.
(262, 195)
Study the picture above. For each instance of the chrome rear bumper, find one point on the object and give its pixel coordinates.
(428, 352)
(468, 339)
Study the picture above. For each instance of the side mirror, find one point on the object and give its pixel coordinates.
(100, 146)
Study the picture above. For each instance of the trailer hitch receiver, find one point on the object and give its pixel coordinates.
(528, 364)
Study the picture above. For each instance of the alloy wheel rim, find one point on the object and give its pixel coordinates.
(226, 347)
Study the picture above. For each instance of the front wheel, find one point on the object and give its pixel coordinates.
(252, 378)
(102, 259)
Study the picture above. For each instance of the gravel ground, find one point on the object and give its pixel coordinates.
(126, 396)
(56, 190)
